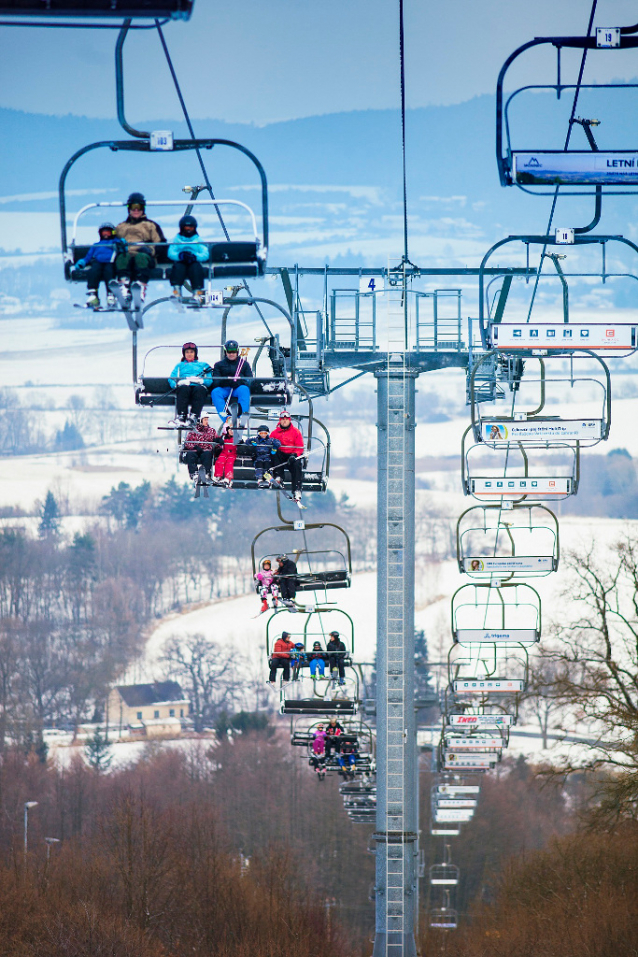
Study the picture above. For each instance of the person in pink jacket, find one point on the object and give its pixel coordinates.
(266, 584)
(289, 454)
(318, 757)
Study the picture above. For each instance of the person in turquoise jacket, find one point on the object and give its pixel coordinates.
(191, 380)
(188, 253)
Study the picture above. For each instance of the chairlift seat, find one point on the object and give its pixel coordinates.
(318, 706)
(231, 260)
(309, 581)
(444, 874)
(264, 392)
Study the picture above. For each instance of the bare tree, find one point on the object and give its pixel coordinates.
(208, 675)
(594, 668)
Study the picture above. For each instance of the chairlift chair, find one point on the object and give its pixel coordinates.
(325, 569)
(521, 542)
(495, 613)
(537, 427)
(512, 478)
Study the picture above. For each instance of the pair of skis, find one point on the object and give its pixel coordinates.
(131, 307)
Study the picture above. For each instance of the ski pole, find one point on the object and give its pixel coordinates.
(242, 359)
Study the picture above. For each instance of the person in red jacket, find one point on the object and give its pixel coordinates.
(198, 447)
(225, 462)
(289, 454)
(281, 657)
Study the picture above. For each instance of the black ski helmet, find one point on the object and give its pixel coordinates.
(334, 634)
(106, 226)
(231, 346)
(263, 428)
(137, 198)
(188, 221)
(188, 345)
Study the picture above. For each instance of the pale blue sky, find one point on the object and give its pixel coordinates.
(255, 61)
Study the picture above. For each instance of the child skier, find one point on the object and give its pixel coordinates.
(266, 584)
(101, 262)
(225, 462)
(298, 659)
(318, 758)
(317, 659)
(265, 447)
(188, 253)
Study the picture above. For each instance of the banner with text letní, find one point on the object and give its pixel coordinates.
(584, 168)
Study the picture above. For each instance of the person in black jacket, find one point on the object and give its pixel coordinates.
(336, 653)
(286, 576)
(333, 733)
(236, 368)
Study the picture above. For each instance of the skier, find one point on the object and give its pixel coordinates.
(136, 262)
(286, 576)
(318, 757)
(101, 257)
(281, 657)
(298, 659)
(290, 453)
(198, 447)
(191, 380)
(225, 462)
(188, 253)
(348, 759)
(235, 367)
(266, 584)
(336, 653)
(264, 448)
(333, 736)
(317, 660)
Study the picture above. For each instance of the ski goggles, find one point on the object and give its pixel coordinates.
(137, 206)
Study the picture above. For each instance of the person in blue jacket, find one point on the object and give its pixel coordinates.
(101, 262)
(263, 447)
(188, 253)
(191, 380)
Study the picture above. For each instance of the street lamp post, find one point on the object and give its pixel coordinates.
(27, 806)
(50, 841)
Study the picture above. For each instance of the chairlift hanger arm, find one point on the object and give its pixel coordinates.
(143, 146)
(119, 84)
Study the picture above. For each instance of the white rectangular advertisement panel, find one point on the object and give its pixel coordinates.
(541, 430)
(504, 564)
(537, 486)
(458, 789)
(468, 636)
(474, 743)
(595, 336)
(480, 720)
(460, 814)
(455, 802)
(489, 685)
(445, 831)
(575, 167)
(455, 760)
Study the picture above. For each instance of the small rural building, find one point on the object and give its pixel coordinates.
(152, 710)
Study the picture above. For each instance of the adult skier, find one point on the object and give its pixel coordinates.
(333, 736)
(237, 369)
(266, 584)
(286, 575)
(187, 253)
(280, 657)
(141, 235)
(263, 447)
(290, 453)
(101, 262)
(336, 653)
(199, 447)
(191, 380)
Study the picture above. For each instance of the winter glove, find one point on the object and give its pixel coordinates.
(273, 451)
(186, 256)
(80, 264)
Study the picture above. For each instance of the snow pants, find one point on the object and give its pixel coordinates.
(196, 457)
(276, 663)
(99, 272)
(135, 265)
(190, 395)
(221, 393)
(194, 272)
(317, 664)
(283, 461)
(225, 462)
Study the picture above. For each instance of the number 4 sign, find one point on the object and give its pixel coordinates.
(370, 284)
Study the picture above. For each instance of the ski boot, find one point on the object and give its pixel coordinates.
(264, 605)
(111, 301)
(92, 299)
(198, 297)
(177, 292)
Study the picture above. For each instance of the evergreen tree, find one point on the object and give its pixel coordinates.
(50, 517)
(98, 752)
(68, 438)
